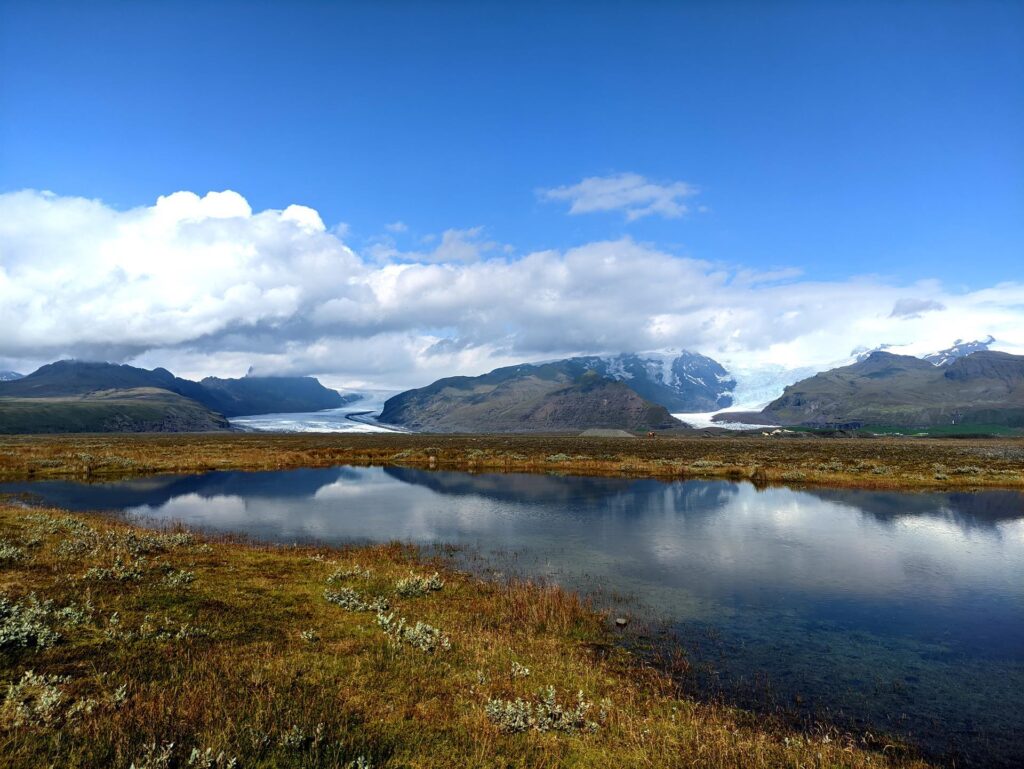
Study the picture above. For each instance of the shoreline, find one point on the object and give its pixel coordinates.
(925, 464)
(147, 638)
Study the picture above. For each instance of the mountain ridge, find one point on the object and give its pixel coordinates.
(85, 396)
(230, 397)
(558, 396)
(983, 387)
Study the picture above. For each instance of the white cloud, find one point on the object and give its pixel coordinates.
(455, 245)
(398, 226)
(632, 194)
(204, 285)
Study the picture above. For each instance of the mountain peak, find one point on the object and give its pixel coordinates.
(680, 380)
(959, 349)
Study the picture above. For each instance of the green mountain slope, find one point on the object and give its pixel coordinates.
(984, 388)
(142, 409)
(529, 398)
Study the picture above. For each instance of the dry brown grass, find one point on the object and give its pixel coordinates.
(891, 463)
(244, 681)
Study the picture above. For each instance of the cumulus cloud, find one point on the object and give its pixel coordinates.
(204, 285)
(78, 275)
(633, 194)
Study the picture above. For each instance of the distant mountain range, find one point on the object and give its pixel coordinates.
(958, 349)
(982, 388)
(871, 387)
(966, 383)
(567, 395)
(80, 396)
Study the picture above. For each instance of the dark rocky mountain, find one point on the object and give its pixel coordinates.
(74, 377)
(230, 397)
(509, 399)
(74, 396)
(549, 397)
(270, 395)
(681, 381)
(983, 388)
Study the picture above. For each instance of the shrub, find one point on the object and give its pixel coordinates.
(155, 756)
(35, 700)
(350, 600)
(421, 635)
(415, 586)
(705, 463)
(47, 524)
(10, 553)
(543, 714)
(176, 579)
(968, 470)
(207, 759)
(348, 572)
(26, 624)
(121, 571)
(153, 629)
(296, 738)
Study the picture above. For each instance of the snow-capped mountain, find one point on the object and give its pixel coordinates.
(10, 376)
(943, 357)
(679, 380)
(959, 349)
(756, 386)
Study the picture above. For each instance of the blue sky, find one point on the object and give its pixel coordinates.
(834, 139)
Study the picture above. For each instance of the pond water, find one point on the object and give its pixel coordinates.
(901, 612)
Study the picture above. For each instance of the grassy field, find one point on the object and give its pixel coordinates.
(882, 462)
(123, 647)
